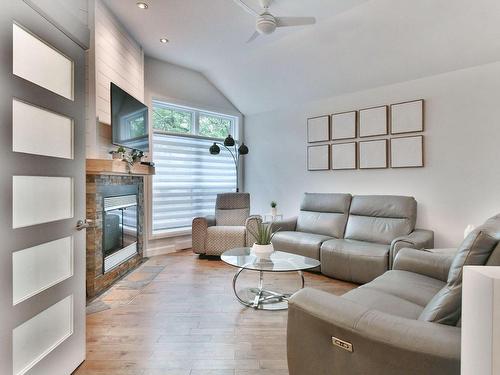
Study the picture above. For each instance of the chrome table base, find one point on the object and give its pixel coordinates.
(263, 299)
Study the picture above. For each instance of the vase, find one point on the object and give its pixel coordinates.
(262, 251)
(274, 212)
(118, 155)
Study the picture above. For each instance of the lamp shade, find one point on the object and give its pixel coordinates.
(243, 149)
(214, 149)
(229, 141)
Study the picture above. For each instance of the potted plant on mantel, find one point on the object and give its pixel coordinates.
(263, 247)
(119, 153)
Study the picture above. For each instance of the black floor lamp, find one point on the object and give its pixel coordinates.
(232, 146)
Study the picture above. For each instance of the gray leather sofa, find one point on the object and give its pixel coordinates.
(406, 321)
(355, 237)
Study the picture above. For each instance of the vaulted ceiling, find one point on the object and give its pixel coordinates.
(355, 45)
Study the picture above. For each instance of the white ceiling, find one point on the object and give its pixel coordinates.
(355, 45)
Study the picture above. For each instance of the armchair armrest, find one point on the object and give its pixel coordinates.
(433, 263)
(381, 343)
(289, 224)
(418, 239)
(251, 226)
(199, 232)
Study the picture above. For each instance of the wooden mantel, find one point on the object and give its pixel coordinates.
(117, 167)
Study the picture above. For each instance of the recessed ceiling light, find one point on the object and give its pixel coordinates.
(164, 40)
(142, 5)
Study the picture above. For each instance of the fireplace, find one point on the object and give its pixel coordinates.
(115, 204)
(119, 229)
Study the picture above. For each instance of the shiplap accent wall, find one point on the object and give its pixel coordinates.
(116, 57)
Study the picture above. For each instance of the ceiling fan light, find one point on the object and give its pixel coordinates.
(266, 24)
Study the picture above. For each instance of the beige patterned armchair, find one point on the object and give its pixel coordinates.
(212, 235)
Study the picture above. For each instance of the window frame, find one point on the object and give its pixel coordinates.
(195, 128)
(237, 120)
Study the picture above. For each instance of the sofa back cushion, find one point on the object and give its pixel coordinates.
(380, 218)
(324, 214)
(476, 250)
(232, 209)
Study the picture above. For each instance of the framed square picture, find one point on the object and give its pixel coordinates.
(407, 117)
(318, 158)
(344, 156)
(318, 129)
(373, 121)
(373, 154)
(344, 125)
(407, 152)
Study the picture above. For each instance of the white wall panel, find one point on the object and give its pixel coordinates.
(34, 339)
(39, 200)
(31, 124)
(40, 267)
(52, 70)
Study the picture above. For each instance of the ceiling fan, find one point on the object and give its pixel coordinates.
(267, 23)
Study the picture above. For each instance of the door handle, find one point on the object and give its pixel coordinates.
(83, 224)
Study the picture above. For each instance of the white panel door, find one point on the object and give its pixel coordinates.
(42, 182)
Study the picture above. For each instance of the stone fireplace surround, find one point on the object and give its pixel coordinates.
(98, 186)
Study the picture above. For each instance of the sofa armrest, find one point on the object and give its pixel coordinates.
(432, 263)
(381, 343)
(199, 232)
(251, 226)
(286, 225)
(418, 239)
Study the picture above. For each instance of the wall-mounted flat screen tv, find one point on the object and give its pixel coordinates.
(129, 120)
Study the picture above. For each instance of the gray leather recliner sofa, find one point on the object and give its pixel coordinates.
(355, 237)
(406, 321)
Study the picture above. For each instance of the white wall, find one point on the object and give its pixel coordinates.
(459, 184)
(182, 86)
(114, 56)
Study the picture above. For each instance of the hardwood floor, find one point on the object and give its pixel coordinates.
(177, 315)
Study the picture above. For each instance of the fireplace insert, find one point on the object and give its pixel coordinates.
(120, 226)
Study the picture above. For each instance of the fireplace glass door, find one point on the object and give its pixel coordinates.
(119, 230)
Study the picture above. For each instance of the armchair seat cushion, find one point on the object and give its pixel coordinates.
(356, 261)
(222, 238)
(410, 286)
(306, 244)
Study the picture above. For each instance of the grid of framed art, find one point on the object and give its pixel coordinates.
(370, 138)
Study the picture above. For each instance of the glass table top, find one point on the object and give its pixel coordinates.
(278, 261)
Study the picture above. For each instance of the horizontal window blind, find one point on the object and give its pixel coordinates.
(187, 180)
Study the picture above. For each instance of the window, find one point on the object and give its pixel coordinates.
(188, 178)
(171, 119)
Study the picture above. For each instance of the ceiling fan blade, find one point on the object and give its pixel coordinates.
(295, 21)
(253, 37)
(247, 8)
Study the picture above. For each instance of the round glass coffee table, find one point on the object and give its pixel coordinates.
(279, 261)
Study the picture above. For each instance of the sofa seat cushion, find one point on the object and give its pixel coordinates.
(412, 287)
(222, 238)
(355, 261)
(384, 302)
(306, 244)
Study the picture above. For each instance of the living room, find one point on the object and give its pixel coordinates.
(250, 187)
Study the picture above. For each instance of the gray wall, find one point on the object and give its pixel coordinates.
(461, 179)
(183, 86)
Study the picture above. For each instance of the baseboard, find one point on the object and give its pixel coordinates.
(168, 249)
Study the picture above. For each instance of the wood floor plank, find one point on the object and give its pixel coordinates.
(177, 315)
